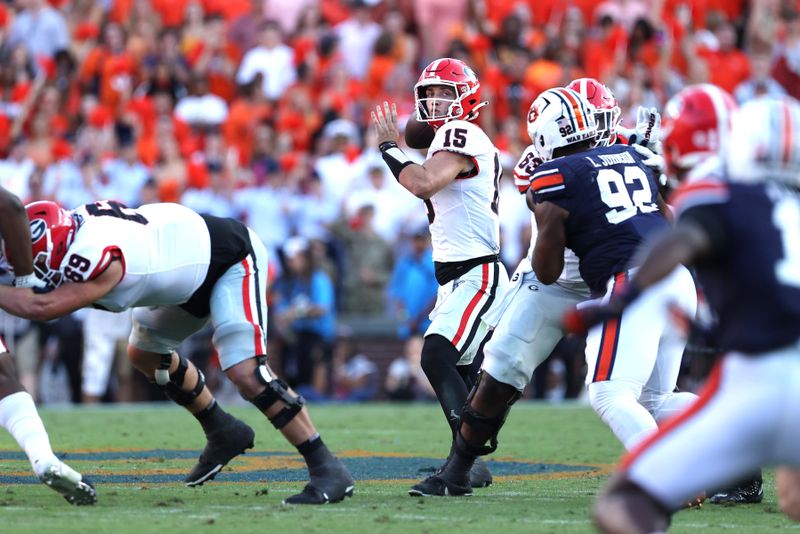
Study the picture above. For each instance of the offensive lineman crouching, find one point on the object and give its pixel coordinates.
(178, 269)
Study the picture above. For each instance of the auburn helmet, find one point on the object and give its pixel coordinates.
(455, 74)
(765, 142)
(52, 232)
(607, 112)
(560, 117)
(695, 126)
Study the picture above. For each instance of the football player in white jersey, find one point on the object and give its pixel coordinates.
(18, 412)
(178, 270)
(459, 183)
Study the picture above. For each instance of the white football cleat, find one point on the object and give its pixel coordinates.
(69, 483)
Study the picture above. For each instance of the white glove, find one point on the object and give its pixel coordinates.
(29, 280)
(654, 161)
(648, 129)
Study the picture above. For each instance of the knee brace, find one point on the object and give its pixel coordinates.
(172, 383)
(276, 390)
(482, 423)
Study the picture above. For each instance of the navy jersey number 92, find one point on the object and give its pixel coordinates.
(611, 197)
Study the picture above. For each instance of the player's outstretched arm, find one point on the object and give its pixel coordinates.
(62, 300)
(422, 181)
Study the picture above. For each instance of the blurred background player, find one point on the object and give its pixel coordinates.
(178, 270)
(18, 412)
(696, 129)
(459, 182)
(740, 234)
(104, 338)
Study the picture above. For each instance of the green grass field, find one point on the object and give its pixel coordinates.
(551, 462)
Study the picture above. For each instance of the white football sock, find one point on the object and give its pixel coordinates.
(18, 415)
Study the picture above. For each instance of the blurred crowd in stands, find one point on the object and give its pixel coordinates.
(258, 109)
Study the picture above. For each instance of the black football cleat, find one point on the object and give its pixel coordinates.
(438, 486)
(750, 492)
(331, 484)
(222, 446)
(479, 475)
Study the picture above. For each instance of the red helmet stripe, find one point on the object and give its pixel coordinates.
(433, 68)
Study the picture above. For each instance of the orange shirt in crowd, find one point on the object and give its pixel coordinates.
(171, 11)
(120, 10)
(147, 149)
(543, 74)
(111, 71)
(699, 9)
(224, 86)
(239, 127)
(379, 70)
(228, 9)
(334, 11)
(494, 79)
(599, 55)
(726, 69)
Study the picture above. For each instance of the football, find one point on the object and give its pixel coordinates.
(418, 134)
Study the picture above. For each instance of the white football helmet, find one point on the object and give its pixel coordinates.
(560, 117)
(765, 142)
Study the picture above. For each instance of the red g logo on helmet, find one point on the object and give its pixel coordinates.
(38, 230)
(52, 232)
(456, 75)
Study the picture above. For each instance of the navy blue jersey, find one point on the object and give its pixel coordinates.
(752, 277)
(611, 199)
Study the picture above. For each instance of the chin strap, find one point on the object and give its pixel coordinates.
(475, 111)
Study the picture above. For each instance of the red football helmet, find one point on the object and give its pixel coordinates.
(608, 114)
(695, 126)
(458, 76)
(52, 232)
